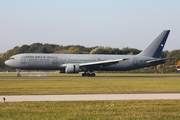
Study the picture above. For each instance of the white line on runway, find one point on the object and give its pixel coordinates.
(91, 97)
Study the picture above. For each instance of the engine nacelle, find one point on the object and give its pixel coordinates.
(71, 68)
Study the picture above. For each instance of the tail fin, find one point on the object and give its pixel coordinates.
(156, 47)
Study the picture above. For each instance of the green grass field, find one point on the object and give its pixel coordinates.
(91, 110)
(133, 83)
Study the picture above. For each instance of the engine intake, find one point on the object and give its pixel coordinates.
(71, 68)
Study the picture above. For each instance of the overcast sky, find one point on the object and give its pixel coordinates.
(113, 23)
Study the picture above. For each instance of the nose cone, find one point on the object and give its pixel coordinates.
(7, 62)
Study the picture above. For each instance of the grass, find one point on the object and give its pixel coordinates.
(88, 85)
(92, 110)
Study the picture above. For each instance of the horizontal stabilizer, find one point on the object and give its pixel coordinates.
(157, 60)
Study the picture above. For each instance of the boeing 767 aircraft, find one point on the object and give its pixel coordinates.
(88, 63)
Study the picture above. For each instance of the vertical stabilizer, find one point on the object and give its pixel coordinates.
(156, 47)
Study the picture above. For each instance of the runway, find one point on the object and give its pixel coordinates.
(98, 75)
(12, 77)
(91, 97)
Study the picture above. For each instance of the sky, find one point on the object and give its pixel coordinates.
(108, 23)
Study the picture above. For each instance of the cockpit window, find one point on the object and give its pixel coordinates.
(12, 58)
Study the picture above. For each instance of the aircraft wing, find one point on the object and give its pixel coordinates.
(157, 60)
(102, 63)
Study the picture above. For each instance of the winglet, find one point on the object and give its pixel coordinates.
(156, 47)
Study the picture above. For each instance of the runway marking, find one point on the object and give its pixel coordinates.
(91, 97)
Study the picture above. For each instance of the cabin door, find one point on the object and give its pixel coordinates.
(23, 60)
(135, 62)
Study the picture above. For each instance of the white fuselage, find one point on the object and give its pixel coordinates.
(59, 61)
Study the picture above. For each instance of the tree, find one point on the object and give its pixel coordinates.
(1, 64)
(105, 50)
(178, 63)
(174, 57)
(24, 49)
(131, 51)
(73, 50)
(160, 68)
(34, 48)
(164, 54)
(47, 48)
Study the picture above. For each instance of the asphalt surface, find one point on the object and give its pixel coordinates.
(91, 97)
(48, 75)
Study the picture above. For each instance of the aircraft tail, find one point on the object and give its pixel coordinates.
(156, 47)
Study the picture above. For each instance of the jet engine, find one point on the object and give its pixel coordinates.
(71, 68)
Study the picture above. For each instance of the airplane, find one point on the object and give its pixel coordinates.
(88, 63)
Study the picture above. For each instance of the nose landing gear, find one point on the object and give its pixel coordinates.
(18, 73)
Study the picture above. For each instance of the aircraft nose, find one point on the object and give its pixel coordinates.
(7, 62)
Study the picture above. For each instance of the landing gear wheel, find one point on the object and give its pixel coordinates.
(88, 74)
(83, 74)
(18, 75)
(93, 74)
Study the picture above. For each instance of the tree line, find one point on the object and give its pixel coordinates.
(78, 49)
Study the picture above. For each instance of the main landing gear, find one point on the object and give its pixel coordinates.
(18, 73)
(88, 74)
